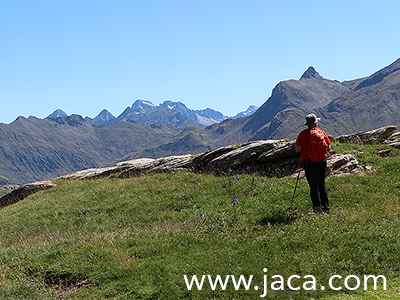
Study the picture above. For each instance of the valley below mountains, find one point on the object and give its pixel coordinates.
(33, 149)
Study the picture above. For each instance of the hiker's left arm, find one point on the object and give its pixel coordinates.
(329, 142)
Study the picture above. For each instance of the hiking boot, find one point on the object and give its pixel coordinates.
(317, 210)
(325, 210)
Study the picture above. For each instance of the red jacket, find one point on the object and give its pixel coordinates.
(302, 140)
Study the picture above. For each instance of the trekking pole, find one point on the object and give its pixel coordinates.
(297, 181)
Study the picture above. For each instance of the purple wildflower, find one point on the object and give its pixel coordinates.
(85, 212)
(201, 215)
(234, 200)
(229, 170)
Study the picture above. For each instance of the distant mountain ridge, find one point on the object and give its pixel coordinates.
(149, 116)
(145, 112)
(249, 111)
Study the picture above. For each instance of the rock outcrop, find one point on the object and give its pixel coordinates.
(5, 189)
(394, 140)
(368, 137)
(342, 164)
(395, 143)
(273, 158)
(245, 158)
(23, 191)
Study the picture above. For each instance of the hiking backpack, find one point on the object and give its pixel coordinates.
(317, 147)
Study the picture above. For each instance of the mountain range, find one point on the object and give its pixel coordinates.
(33, 149)
(175, 113)
(36, 149)
(344, 107)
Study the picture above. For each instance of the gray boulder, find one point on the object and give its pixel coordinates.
(243, 159)
(5, 189)
(134, 167)
(24, 191)
(342, 164)
(377, 135)
(171, 163)
(395, 144)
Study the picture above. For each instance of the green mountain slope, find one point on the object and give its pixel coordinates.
(34, 149)
(189, 141)
(376, 100)
(195, 140)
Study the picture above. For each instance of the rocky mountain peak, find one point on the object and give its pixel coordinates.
(310, 73)
(103, 118)
(57, 114)
(143, 104)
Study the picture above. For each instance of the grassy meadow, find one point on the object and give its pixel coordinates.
(136, 238)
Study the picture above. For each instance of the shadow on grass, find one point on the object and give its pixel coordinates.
(280, 218)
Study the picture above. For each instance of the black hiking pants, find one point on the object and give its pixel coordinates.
(315, 174)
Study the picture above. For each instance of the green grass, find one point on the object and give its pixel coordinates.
(141, 235)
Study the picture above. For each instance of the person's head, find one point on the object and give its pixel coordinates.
(311, 120)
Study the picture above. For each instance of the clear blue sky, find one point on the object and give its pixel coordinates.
(84, 56)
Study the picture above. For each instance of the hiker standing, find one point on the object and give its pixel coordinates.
(314, 144)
